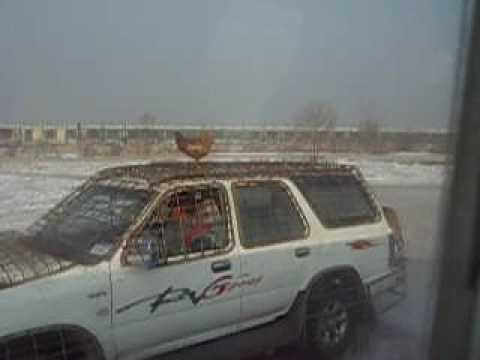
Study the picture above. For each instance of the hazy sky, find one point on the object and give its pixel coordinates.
(228, 62)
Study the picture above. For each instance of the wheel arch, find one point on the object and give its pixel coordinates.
(346, 272)
(68, 335)
(338, 275)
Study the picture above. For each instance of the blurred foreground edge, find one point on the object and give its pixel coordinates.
(456, 328)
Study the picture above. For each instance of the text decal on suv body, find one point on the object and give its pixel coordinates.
(220, 286)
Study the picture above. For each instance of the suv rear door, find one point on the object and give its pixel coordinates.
(273, 233)
(351, 218)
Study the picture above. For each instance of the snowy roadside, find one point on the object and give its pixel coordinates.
(394, 173)
(28, 189)
(395, 169)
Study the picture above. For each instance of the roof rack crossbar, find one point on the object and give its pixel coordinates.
(155, 173)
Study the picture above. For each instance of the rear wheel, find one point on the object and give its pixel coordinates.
(331, 319)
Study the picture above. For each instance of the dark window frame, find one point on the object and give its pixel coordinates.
(291, 197)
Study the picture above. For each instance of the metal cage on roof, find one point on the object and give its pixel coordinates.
(158, 172)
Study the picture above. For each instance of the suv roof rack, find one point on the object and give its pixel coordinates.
(158, 172)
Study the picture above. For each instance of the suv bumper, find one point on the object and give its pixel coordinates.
(389, 289)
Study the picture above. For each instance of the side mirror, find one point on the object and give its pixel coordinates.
(142, 252)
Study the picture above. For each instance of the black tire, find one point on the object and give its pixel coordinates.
(333, 312)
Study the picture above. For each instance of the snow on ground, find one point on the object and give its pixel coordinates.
(28, 189)
(395, 169)
(24, 198)
(394, 173)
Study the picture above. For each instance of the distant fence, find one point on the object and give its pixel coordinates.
(231, 138)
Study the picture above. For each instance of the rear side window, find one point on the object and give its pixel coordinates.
(267, 214)
(338, 200)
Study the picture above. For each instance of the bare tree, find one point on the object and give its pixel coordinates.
(369, 135)
(319, 117)
(370, 126)
(146, 119)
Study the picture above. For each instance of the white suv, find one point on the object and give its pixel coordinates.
(152, 259)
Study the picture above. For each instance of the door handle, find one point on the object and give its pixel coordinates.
(302, 252)
(221, 266)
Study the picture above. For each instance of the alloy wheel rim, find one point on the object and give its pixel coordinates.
(333, 324)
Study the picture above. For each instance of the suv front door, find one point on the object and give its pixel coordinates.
(186, 296)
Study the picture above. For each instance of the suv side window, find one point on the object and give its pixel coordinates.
(338, 199)
(189, 222)
(267, 214)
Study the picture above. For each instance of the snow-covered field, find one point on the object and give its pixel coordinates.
(27, 189)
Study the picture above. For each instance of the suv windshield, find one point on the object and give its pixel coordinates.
(87, 227)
